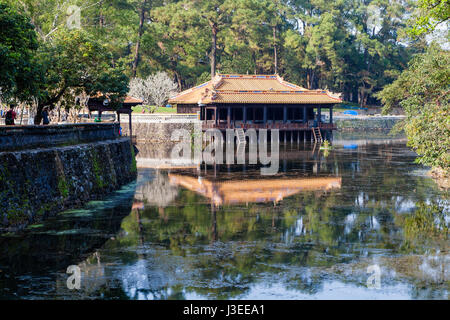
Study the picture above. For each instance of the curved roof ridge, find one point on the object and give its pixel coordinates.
(193, 89)
(229, 88)
(288, 84)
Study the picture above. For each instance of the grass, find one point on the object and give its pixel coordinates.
(138, 109)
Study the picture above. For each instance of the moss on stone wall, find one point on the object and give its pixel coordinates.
(97, 170)
(62, 187)
(38, 183)
(133, 167)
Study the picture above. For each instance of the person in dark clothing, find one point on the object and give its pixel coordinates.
(315, 120)
(10, 115)
(45, 119)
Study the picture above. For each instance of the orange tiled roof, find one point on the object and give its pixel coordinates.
(253, 89)
(128, 99)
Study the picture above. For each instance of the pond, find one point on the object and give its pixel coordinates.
(361, 221)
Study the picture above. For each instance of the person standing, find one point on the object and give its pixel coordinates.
(45, 120)
(10, 115)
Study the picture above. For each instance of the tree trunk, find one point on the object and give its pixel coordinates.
(101, 18)
(21, 113)
(138, 42)
(38, 117)
(178, 79)
(213, 26)
(310, 78)
(275, 50)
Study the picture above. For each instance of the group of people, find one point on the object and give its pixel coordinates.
(11, 115)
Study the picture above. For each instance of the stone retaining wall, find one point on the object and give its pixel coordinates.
(26, 137)
(38, 183)
(366, 122)
(160, 131)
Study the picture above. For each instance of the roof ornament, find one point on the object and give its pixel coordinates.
(217, 81)
(334, 95)
(213, 94)
(203, 96)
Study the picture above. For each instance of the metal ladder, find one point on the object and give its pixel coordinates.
(240, 136)
(317, 134)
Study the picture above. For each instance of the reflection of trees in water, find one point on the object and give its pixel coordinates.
(34, 263)
(158, 191)
(299, 241)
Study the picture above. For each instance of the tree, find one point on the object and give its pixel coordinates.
(156, 89)
(143, 8)
(73, 63)
(422, 91)
(349, 46)
(181, 46)
(18, 42)
(429, 14)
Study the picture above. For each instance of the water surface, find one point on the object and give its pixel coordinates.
(309, 232)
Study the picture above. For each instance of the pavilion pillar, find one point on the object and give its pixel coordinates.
(215, 116)
(265, 115)
(118, 119)
(304, 115)
(284, 114)
(129, 123)
(245, 114)
(331, 114)
(229, 117)
(319, 114)
(234, 117)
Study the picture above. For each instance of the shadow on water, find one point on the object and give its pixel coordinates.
(30, 261)
(221, 232)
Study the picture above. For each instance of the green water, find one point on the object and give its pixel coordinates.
(156, 239)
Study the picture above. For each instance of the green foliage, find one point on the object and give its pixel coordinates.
(62, 187)
(74, 63)
(427, 221)
(422, 91)
(133, 160)
(429, 15)
(18, 43)
(348, 46)
(97, 171)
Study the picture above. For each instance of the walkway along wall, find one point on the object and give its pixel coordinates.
(37, 183)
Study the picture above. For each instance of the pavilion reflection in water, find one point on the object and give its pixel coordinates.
(254, 190)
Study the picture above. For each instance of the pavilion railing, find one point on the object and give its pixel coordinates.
(279, 126)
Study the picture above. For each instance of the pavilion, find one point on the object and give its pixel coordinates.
(259, 102)
(100, 103)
